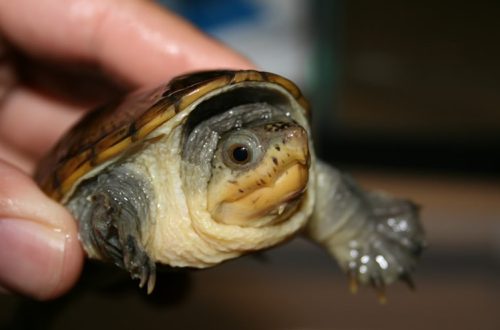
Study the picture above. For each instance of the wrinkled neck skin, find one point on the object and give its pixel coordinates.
(186, 234)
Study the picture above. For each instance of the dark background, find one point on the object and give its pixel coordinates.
(417, 84)
(405, 97)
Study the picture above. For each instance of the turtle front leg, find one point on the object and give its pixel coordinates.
(375, 238)
(112, 212)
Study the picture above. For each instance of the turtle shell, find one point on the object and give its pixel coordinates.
(104, 134)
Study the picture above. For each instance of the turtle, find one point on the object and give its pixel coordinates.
(214, 165)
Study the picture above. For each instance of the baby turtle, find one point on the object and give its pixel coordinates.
(214, 165)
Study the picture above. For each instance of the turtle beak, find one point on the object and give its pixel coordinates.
(270, 192)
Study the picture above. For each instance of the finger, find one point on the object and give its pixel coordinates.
(40, 255)
(13, 156)
(138, 40)
(32, 122)
(72, 83)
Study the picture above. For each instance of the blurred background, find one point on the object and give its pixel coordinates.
(406, 97)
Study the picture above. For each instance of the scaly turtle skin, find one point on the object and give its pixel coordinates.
(214, 165)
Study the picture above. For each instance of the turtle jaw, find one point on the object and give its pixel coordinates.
(268, 193)
(272, 202)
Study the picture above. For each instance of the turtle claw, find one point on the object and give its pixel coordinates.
(151, 282)
(353, 281)
(139, 264)
(406, 278)
(382, 298)
(148, 277)
(378, 284)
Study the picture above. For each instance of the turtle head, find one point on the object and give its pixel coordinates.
(259, 173)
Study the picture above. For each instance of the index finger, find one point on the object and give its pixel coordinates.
(136, 40)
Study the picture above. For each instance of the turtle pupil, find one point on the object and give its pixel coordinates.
(240, 154)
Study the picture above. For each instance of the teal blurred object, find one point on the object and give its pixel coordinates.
(212, 14)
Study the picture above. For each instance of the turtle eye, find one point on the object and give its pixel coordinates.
(240, 154)
(241, 148)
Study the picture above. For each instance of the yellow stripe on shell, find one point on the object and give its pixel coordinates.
(291, 88)
(112, 151)
(201, 91)
(72, 164)
(155, 122)
(67, 184)
(249, 75)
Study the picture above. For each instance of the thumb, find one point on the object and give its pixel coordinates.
(40, 255)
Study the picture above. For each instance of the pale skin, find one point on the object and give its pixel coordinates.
(133, 42)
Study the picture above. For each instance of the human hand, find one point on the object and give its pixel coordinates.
(123, 43)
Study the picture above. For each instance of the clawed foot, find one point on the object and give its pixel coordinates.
(115, 239)
(375, 238)
(389, 250)
(139, 264)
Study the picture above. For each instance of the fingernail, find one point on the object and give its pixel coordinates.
(31, 257)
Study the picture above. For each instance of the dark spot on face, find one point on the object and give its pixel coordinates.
(275, 127)
(241, 190)
(275, 161)
(255, 200)
(262, 181)
(277, 147)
